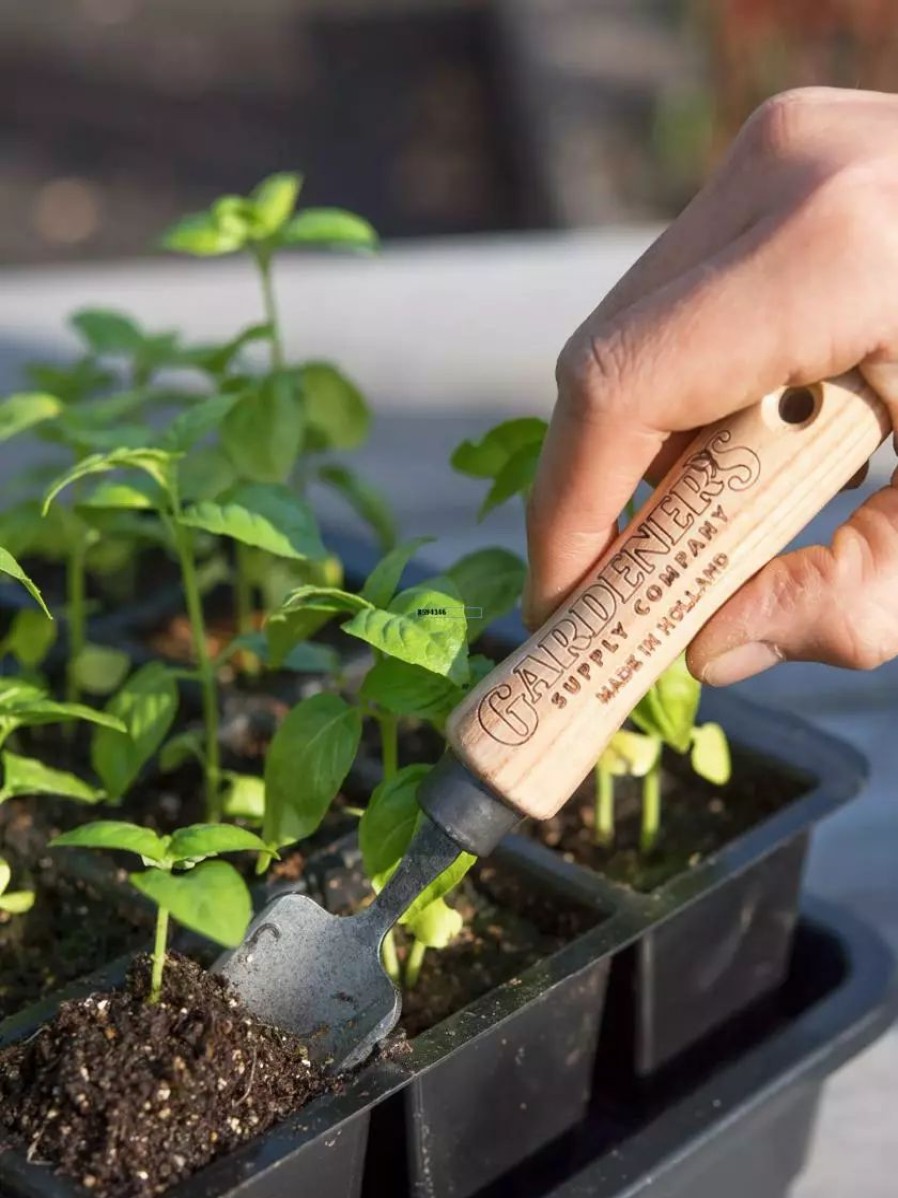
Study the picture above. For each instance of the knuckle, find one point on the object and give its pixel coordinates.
(592, 369)
(782, 125)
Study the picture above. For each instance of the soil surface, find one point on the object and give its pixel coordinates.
(128, 1098)
(508, 927)
(697, 820)
(72, 929)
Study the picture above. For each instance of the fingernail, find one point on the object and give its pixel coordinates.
(742, 662)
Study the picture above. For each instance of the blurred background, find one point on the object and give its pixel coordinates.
(432, 117)
(516, 157)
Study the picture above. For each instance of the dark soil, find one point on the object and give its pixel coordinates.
(507, 929)
(71, 930)
(128, 1098)
(697, 820)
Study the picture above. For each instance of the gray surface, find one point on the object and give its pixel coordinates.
(447, 340)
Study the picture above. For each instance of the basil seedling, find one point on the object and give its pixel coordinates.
(207, 896)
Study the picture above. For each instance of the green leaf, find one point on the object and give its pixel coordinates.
(486, 458)
(333, 227)
(436, 926)
(31, 636)
(274, 200)
(9, 565)
(335, 410)
(5, 875)
(669, 708)
(29, 707)
(380, 585)
(138, 493)
(311, 658)
(115, 834)
(630, 754)
(70, 383)
(198, 421)
(266, 515)
(306, 764)
(157, 463)
(515, 478)
(87, 439)
(263, 432)
(491, 580)
(435, 892)
(100, 669)
(184, 747)
(244, 797)
(205, 234)
(100, 411)
(710, 754)
(146, 705)
(208, 840)
(212, 899)
(205, 473)
(217, 359)
(422, 626)
(107, 332)
(21, 412)
(17, 902)
(28, 776)
(389, 821)
(365, 500)
(408, 690)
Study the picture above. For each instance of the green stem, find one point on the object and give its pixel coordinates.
(389, 743)
(414, 963)
(263, 261)
(204, 668)
(243, 590)
(604, 805)
(159, 954)
(390, 958)
(651, 808)
(76, 587)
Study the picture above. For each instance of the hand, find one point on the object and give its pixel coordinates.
(782, 271)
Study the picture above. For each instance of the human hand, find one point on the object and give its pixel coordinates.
(782, 271)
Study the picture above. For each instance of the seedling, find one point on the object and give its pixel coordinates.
(279, 421)
(268, 517)
(422, 669)
(666, 716)
(13, 902)
(181, 878)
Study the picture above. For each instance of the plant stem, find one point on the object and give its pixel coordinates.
(263, 261)
(204, 669)
(604, 830)
(159, 954)
(414, 963)
(651, 808)
(389, 743)
(76, 589)
(243, 590)
(390, 959)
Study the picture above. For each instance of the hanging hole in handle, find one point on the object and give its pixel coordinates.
(797, 406)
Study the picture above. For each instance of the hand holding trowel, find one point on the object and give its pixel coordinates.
(528, 734)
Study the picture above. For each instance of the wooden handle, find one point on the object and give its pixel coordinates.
(535, 727)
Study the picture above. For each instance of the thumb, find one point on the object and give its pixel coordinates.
(832, 604)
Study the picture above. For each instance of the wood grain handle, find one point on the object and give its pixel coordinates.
(534, 728)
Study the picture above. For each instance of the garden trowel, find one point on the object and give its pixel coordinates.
(523, 739)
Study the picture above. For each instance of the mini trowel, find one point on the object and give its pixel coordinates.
(522, 740)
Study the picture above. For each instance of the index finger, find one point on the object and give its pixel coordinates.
(701, 346)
